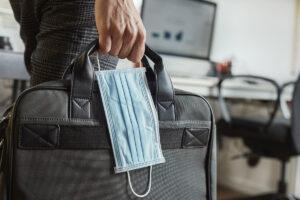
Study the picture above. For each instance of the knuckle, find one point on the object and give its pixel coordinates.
(144, 31)
(130, 31)
(139, 57)
(122, 56)
(130, 37)
(104, 48)
(113, 53)
(122, 53)
(104, 29)
(142, 36)
(118, 32)
(132, 58)
(142, 53)
(131, 34)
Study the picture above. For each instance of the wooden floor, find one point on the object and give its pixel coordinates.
(228, 194)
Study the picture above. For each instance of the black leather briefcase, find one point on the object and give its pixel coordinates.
(56, 144)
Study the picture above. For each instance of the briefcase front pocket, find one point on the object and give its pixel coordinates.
(61, 161)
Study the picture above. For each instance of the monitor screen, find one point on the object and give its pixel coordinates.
(179, 27)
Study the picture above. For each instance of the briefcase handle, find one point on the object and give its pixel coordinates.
(82, 80)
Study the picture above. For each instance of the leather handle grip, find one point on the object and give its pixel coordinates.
(82, 80)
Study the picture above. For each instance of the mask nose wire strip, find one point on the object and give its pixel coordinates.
(149, 185)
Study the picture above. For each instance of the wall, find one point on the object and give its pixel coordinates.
(258, 35)
(296, 55)
(9, 27)
(297, 61)
(4, 4)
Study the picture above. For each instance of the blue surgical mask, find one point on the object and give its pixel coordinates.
(132, 120)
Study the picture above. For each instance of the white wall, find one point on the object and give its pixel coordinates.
(296, 51)
(297, 61)
(258, 35)
(9, 27)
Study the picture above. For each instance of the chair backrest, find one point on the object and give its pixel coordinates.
(256, 97)
(286, 97)
(296, 117)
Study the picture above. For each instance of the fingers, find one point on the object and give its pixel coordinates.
(102, 11)
(105, 40)
(117, 32)
(138, 49)
(121, 31)
(128, 41)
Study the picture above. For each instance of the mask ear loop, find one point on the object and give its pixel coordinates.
(149, 185)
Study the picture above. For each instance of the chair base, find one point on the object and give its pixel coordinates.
(273, 196)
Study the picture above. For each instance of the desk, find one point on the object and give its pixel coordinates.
(12, 66)
(207, 86)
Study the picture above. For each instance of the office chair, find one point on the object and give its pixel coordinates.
(273, 137)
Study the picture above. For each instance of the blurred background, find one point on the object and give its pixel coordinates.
(242, 55)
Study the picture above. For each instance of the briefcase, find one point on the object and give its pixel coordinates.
(56, 146)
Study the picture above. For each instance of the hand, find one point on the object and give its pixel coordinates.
(120, 28)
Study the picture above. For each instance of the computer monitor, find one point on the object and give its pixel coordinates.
(180, 27)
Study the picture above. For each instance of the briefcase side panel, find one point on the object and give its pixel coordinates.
(190, 106)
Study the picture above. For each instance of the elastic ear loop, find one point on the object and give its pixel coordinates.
(149, 185)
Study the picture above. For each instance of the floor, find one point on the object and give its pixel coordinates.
(225, 193)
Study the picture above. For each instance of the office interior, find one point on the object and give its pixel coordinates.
(247, 68)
